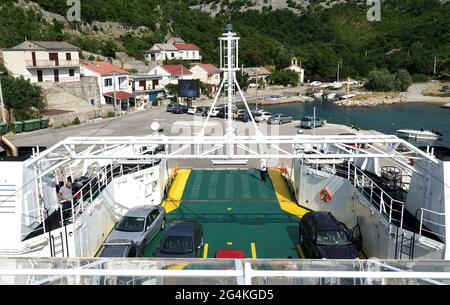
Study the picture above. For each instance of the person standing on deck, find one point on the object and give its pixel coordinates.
(263, 171)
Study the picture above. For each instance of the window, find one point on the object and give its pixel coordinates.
(71, 72)
(131, 224)
(68, 56)
(132, 252)
(172, 54)
(142, 83)
(108, 82)
(178, 245)
(153, 215)
(123, 83)
(332, 238)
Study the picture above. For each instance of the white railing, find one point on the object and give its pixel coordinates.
(51, 63)
(424, 221)
(384, 203)
(198, 271)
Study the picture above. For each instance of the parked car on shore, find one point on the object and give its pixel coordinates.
(140, 225)
(238, 112)
(171, 106)
(214, 112)
(315, 84)
(183, 239)
(323, 236)
(262, 117)
(278, 119)
(193, 109)
(309, 122)
(179, 109)
(244, 117)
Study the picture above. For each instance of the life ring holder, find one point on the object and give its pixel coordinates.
(326, 195)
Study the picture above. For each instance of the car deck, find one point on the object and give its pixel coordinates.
(237, 211)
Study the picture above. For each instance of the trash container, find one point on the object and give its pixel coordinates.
(3, 128)
(44, 123)
(16, 127)
(28, 125)
(37, 124)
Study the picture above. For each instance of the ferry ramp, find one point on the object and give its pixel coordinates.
(237, 211)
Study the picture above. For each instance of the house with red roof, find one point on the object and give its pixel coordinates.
(207, 74)
(113, 82)
(177, 72)
(174, 48)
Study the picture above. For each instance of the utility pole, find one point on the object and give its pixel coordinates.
(339, 67)
(114, 95)
(1, 100)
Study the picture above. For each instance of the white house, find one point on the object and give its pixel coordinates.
(177, 72)
(44, 61)
(188, 51)
(207, 74)
(174, 48)
(110, 79)
(162, 51)
(296, 68)
(145, 86)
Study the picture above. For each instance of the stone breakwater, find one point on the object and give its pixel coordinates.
(285, 100)
(370, 102)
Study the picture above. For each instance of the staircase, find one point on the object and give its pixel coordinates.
(7, 198)
(57, 97)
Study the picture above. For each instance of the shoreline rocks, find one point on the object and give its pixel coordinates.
(370, 102)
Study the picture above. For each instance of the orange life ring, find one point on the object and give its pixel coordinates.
(326, 195)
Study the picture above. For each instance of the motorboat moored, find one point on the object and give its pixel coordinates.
(419, 134)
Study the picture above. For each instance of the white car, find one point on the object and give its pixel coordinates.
(253, 86)
(193, 109)
(214, 111)
(263, 117)
(315, 84)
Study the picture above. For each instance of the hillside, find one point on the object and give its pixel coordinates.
(417, 31)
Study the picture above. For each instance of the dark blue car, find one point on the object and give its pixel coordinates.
(322, 236)
(183, 239)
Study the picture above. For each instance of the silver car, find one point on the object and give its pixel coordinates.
(140, 225)
(279, 119)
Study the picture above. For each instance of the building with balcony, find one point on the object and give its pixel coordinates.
(112, 81)
(147, 86)
(207, 74)
(44, 61)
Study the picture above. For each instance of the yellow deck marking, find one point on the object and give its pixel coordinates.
(229, 209)
(283, 194)
(229, 243)
(179, 266)
(205, 251)
(253, 246)
(300, 251)
(176, 191)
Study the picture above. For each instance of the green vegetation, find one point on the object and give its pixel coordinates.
(22, 99)
(177, 62)
(410, 35)
(383, 80)
(283, 78)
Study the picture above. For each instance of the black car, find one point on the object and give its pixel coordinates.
(179, 109)
(119, 248)
(183, 239)
(171, 106)
(322, 236)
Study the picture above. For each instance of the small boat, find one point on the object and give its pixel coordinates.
(419, 134)
(336, 85)
(331, 96)
(318, 95)
(347, 96)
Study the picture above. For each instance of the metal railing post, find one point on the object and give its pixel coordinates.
(421, 221)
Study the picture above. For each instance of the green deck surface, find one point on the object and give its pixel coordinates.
(235, 206)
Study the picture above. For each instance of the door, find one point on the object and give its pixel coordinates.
(56, 75)
(33, 57)
(156, 220)
(155, 83)
(356, 238)
(39, 76)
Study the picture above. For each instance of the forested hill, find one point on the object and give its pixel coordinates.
(410, 34)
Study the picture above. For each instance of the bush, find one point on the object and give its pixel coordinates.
(383, 80)
(419, 78)
(76, 121)
(283, 78)
(402, 80)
